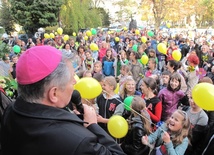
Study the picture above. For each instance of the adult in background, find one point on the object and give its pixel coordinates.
(5, 66)
(37, 124)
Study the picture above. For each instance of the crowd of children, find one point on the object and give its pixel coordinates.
(159, 88)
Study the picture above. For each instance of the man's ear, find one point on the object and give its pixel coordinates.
(52, 95)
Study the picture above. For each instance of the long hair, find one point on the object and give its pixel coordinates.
(138, 104)
(59, 77)
(184, 131)
(111, 57)
(123, 92)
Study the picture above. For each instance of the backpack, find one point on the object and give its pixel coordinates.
(108, 68)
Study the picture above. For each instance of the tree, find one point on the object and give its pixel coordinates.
(127, 9)
(96, 3)
(208, 11)
(33, 14)
(104, 17)
(6, 19)
(76, 14)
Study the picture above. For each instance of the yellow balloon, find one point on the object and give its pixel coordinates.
(144, 39)
(74, 34)
(125, 28)
(94, 47)
(66, 37)
(88, 87)
(86, 38)
(88, 33)
(168, 25)
(60, 30)
(47, 36)
(52, 35)
(116, 91)
(137, 32)
(117, 39)
(117, 126)
(162, 48)
(76, 78)
(144, 59)
(176, 54)
(203, 96)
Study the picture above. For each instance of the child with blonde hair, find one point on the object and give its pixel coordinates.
(171, 138)
(108, 102)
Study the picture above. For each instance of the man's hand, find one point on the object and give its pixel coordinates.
(90, 115)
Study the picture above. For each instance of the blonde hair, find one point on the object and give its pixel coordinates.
(138, 105)
(184, 131)
(123, 91)
(126, 69)
(124, 53)
(111, 81)
(98, 63)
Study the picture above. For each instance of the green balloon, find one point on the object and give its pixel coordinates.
(150, 33)
(16, 49)
(134, 48)
(128, 102)
(93, 31)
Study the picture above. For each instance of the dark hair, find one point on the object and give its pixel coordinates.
(80, 47)
(4, 58)
(65, 45)
(136, 54)
(174, 64)
(176, 76)
(151, 83)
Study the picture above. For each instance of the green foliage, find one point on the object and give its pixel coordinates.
(9, 85)
(4, 49)
(6, 18)
(209, 14)
(33, 14)
(76, 14)
(104, 17)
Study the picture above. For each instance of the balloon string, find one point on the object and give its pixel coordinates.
(136, 112)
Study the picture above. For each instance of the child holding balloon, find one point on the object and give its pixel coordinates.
(140, 126)
(108, 102)
(171, 138)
